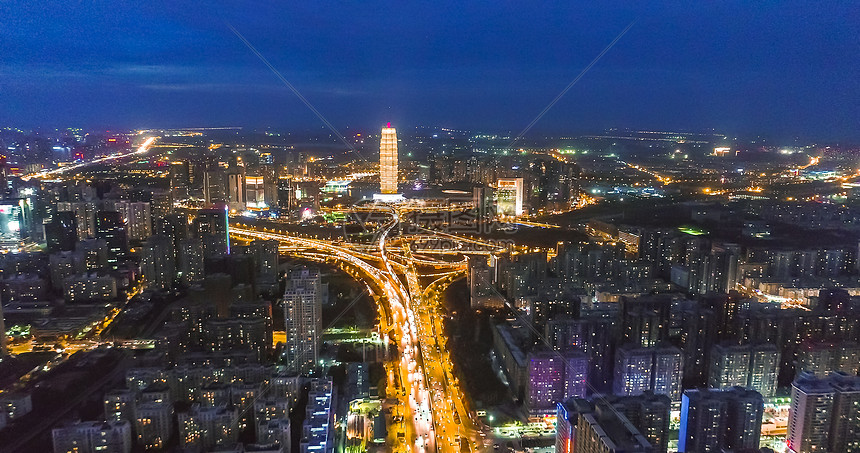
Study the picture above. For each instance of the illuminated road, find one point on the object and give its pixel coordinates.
(144, 147)
(422, 379)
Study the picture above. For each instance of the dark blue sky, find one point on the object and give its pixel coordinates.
(776, 68)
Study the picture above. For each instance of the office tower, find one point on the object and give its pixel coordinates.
(92, 437)
(236, 188)
(388, 160)
(211, 226)
(111, 228)
(509, 196)
(214, 185)
(157, 264)
(153, 425)
(718, 420)
(255, 192)
(825, 414)
(552, 377)
(303, 319)
(286, 197)
(61, 232)
(189, 260)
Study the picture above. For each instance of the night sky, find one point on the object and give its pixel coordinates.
(779, 69)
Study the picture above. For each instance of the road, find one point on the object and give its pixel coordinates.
(422, 378)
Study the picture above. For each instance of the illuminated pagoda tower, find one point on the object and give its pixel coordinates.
(388, 165)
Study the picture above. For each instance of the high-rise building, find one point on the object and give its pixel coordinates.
(154, 425)
(265, 254)
(248, 335)
(276, 431)
(120, 405)
(764, 369)
(481, 290)
(236, 188)
(607, 430)
(267, 410)
(824, 358)
(157, 264)
(388, 160)
(89, 286)
(180, 179)
(85, 216)
(729, 366)
(138, 220)
(205, 428)
(552, 377)
(65, 264)
(189, 260)
(3, 345)
(303, 319)
(212, 228)
(509, 196)
(658, 370)
(719, 420)
(633, 368)
(647, 413)
(825, 414)
(61, 232)
(161, 203)
(110, 226)
(92, 437)
(667, 372)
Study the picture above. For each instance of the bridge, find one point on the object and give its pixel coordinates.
(406, 282)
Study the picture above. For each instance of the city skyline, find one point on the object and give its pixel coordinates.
(484, 227)
(785, 71)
